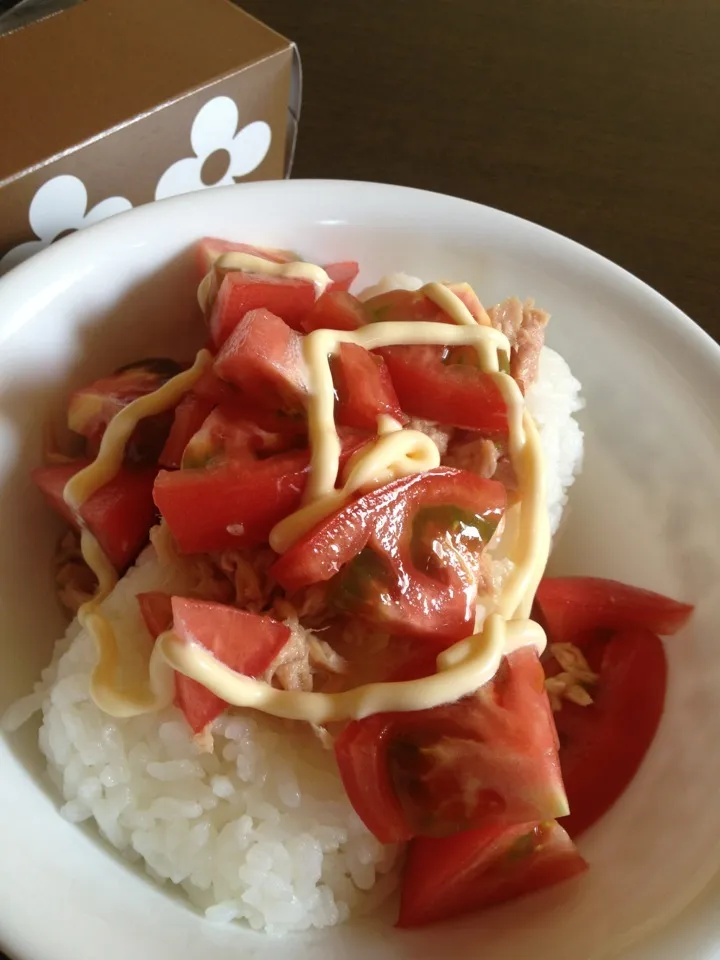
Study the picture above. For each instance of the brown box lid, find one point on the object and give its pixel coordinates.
(112, 103)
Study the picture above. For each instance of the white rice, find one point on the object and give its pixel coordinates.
(260, 829)
(553, 400)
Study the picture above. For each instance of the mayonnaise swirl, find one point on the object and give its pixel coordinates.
(395, 453)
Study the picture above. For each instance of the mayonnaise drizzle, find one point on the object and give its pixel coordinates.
(461, 669)
(118, 691)
(249, 263)
(395, 453)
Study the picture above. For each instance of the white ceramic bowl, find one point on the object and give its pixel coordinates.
(645, 510)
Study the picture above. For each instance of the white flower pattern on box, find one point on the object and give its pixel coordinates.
(215, 131)
(60, 206)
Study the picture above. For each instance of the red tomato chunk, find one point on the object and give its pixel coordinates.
(246, 642)
(264, 359)
(336, 310)
(341, 275)
(233, 504)
(119, 514)
(457, 394)
(209, 249)
(364, 389)
(286, 297)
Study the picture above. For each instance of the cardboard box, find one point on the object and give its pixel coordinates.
(108, 104)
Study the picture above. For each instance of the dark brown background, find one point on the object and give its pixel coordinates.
(597, 118)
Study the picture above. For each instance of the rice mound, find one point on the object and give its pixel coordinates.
(260, 829)
(552, 401)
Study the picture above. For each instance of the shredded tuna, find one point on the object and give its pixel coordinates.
(480, 456)
(507, 317)
(439, 435)
(303, 656)
(530, 339)
(248, 573)
(207, 580)
(505, 473)
(75, 581)
(524, 326)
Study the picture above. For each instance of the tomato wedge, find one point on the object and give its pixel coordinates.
(119, 514)
(363, 388)
(415, 547)
(445, 878)
(569, 606)
(287, 297)
(336, 310)
(603, 744)
(263, 357)
(490, 758)
(457, 394)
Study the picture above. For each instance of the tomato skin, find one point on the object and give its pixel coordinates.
(448, 877)
(119, 514)
(437, 605)
(239, 293)
(455, 394)
(602, 745)
(341, 275)
(336, 310)
(361, 751)
(489, 758)
(570, 606)
(263, 358)
(364, 389)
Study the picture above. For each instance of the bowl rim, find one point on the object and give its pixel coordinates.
(13, 284)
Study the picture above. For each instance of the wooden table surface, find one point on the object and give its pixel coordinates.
(597, 118)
